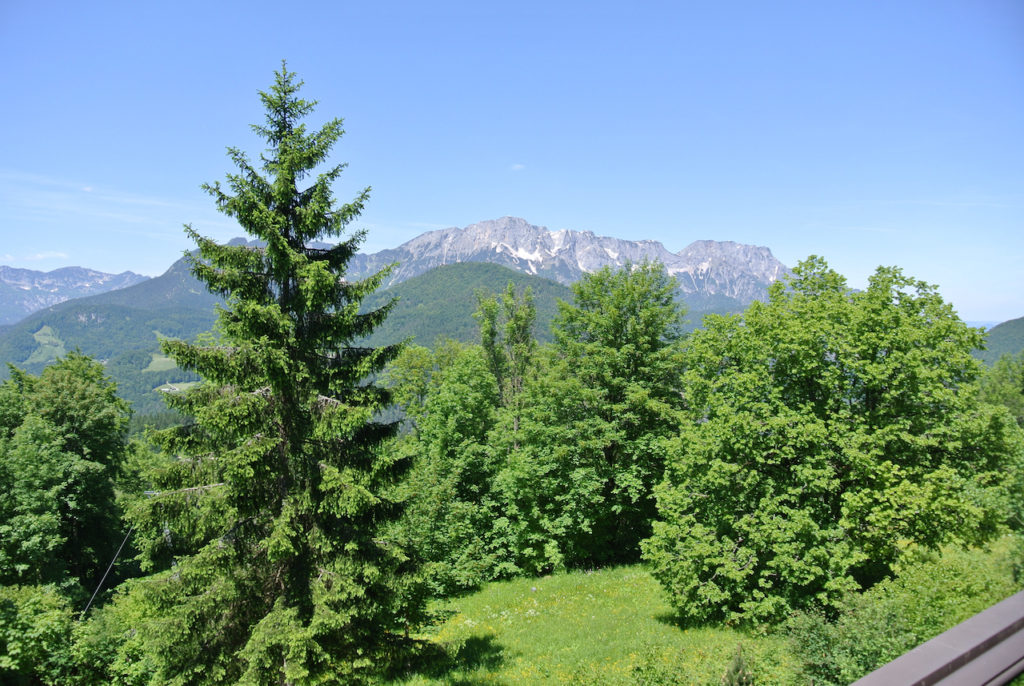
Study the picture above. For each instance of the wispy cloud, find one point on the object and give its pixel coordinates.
(41, 256)
(517, 167)
(33, 199)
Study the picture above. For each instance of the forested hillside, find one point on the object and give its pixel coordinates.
(121, 329)
(441, 303)
(1005, 339)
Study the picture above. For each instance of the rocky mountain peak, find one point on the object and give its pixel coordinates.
(704, 268)
(23, 291)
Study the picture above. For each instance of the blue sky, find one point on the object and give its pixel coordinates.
(866, 132)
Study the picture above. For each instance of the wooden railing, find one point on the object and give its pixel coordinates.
(987, 649)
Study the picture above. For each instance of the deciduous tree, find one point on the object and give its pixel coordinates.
(577, 484)
(823, 431)
(620, 339)
(62, 441)
(1003, 384)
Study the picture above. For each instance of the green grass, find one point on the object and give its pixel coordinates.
(50, 346)
(612, 626)
(160, 363)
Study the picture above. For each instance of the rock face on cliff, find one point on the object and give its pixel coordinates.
(709, 271)
(24, 291)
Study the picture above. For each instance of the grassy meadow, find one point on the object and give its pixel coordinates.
(611, 626)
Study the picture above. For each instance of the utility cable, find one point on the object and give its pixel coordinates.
(109, 567)
(121, 547)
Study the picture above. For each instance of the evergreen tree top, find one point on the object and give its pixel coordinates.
(270, 205)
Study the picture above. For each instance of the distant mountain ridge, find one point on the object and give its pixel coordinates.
(708, 270)
(122, 327)
(1005, 339)
(24, 291)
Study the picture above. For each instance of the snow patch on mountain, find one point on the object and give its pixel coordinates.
(704, 268)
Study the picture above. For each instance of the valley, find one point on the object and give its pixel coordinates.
(435, 281)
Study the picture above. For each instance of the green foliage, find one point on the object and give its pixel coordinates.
(529, 461)
(823, 431)
(1003, 384)
(738, 673)
(157, 420)
(465, 404)
(506, 333)
(35, 635)
(551, 489)
(620, 342)
(35, 472)
(451, 509)
(928, 596)
(265, 527)
(62, 442)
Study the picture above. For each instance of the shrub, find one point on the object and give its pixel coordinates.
(929, 595)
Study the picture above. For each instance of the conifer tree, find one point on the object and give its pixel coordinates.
(267, 520)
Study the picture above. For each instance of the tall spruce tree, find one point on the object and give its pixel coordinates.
(267, 520)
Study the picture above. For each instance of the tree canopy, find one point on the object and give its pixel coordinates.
(824, 431)
(62, 442)
(62, 445)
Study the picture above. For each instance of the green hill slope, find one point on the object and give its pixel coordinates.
(442, 301)
(1004, 339)
(120, 328)
(123, 328)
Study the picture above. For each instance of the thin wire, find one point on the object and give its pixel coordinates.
(109, 567)
(121, 547)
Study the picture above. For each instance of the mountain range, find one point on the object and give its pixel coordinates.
(24, 291)
(435, 281)
(711, 274)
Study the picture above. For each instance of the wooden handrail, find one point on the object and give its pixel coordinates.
(985, 650)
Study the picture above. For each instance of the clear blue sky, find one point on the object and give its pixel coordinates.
(867, 132)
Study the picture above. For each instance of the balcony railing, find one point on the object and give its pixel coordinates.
(987, 649)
